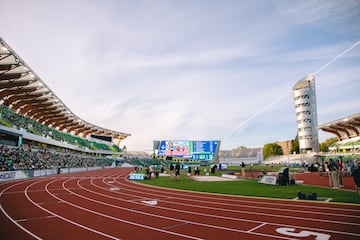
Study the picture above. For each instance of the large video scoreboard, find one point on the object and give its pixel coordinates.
(204, 150)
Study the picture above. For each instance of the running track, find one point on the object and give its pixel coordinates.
(104, 205)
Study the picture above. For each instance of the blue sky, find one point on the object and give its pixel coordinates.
(190, 69)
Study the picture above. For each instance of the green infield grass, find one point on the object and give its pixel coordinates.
(251, 187)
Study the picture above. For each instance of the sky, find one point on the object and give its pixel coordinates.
(191, 69)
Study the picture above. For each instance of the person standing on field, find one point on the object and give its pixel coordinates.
(243, 169)
(356, 176)
(172, 171)
(333, 170)
(177, 171)
(340, 170)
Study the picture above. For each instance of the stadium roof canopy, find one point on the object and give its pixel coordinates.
(344, 128)
(22, 90)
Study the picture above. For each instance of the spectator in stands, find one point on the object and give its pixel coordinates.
(25, 124)
(356, 176)
(29, 157)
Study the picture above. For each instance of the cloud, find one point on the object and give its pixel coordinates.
(208, 56)
(190, 69)
(325, 13)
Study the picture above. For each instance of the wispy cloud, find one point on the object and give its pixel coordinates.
(209, 56)
(190, 69)
(324, 12)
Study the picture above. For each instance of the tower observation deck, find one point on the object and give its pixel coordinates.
(306, 114)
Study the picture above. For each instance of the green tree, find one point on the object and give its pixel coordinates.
(295, 145)
(324, 146)
(241, 147)
(272, 149)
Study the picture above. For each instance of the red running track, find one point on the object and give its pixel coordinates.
(104, 205)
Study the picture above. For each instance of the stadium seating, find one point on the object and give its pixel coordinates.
(33, 157)
(236, 156)
(12, 119)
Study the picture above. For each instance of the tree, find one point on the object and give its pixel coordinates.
(324, 146)
(272, 149)
(295, 145)
(241, 147)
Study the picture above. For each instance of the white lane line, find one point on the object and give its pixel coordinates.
(219, 203)
(199, 204)
(34, 218)
(257, 227)
(150, 202)
(188, 198)
(237, 200)
(54, 202)
(237, 219)
(13, 220)
(118, 219)
(174, 226)
(33, 191)
(191, 195)
(63, 218)
(165, 217)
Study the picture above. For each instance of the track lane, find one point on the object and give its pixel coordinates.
(350, 218)
(315, 229)
(53, 206)
(337, 209)
(95, 196)
(144, 211)
(211, 231)
(88, 207)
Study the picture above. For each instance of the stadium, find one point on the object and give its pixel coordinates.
(62, 172)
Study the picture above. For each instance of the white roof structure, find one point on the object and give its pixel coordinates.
(344, 128)
(23, 91)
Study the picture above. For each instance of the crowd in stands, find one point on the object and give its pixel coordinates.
(11, 119)
(29, 157)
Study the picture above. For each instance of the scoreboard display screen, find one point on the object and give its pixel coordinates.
(204, 150)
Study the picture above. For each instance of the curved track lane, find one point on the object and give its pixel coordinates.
(104, 205)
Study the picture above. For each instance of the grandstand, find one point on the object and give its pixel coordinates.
(38, 131)
(24, 92)
(347, 132)
(33, 118)
(236, 156)
(292, 159)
